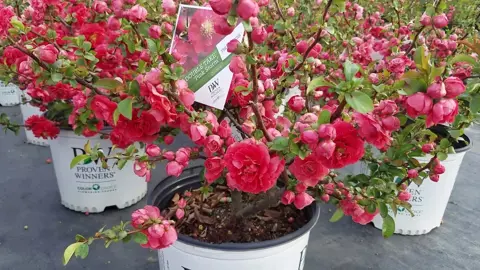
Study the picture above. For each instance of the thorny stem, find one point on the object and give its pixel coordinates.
(338, 111)
(234, 122)
(414, 40)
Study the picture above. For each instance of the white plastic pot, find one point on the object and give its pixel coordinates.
(285, 253)
(27, 111)
(9, 94)
(88, 187)
(428, 200)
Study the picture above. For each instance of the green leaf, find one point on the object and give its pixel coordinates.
(82, 251)
(475, 104)
(445, 143)
(77, 160)
(87, 46)
(388, 226)
(79, 238)
(337, 215)
(17, 24)
(456, 133)
(56, 77)
(109, 84)
(317, 82)
(279, 26)
(140, 238)
(463, 58)
(69, 251)
(420, 58)
(324, 117)
(152, 46)
(134, 88)
(350, 69)
(248, 26)
(360, 101)
(279, 144)
(116, 114)
(383, 209)
(121, 163)
(442, 156)
(125, 108)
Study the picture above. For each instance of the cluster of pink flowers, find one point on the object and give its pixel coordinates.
(160, 232)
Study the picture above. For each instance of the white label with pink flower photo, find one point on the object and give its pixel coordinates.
(203, 54)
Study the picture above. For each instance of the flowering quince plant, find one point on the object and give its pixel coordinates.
(365, 80)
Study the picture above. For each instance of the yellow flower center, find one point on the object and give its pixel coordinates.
(207, 28)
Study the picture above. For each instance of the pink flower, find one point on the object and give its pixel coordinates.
(213, 145)
(103, 108)
(425, 20)
(41, 127)
(364, 218)
(248, 127)
(439, 169)
(47, 53)
(296, 103)
(404, 196)
(291, 11)
(100, 6)
(349, 147)
(182, 156)
(444, 111)
(300, 187)
(309, 137)
(169, 155)
(213, 169)
(391, 123)
(434, 177)
(327, 131)
(309, 170)
(159, 240)
(418, 104)
(440, 21)
(155, 31)
(412, 173)
(221, 26)
(247, 9)
(224, 129)
(141, 169)
(201, 33)
(169, 7)
(251, 168)
(373, 77)
(198, 133)
(147, 213)
(303, 200)
(174, 168)
(221, 7)
(454, 87)
(137, 14)
(397, 65)
(302, 46)
(182, 203)
(288, 197)
(386, 107)
(259, 34)
(153, 150)
(325, 149)
(187, 97)
(372, 131)
(237, 65)
(436, 90)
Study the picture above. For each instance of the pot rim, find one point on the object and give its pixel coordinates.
(466, 147)
(170, 183)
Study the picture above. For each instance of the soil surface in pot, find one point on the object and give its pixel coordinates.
(211, 221)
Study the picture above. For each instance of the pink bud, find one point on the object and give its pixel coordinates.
(232, 46)
(436, 90)
(303, 200)
(174, 168)
(325, 198)
(325, 149)
(47, 53)
(454, 87)
(247, 9)
(168, 139)
(404, 196)
(327, 131)
(221, 25)
(439, 169)
(237, 65)
(180, 213)
(153, 150)
(221, 7)
(182, 203)
(288, 197)
(434, 177)
(155, 31)
(248, 127)
(169, 7)
(291, 11)
(296, 103)
(137, 13)
(169, 155)
(309, 137)
(412, 173)
(302, 46)
(426, 20)
(391, 123)
(113, 23)
(259, 35)
(440, 21)
(300, 187)
(373, 77)
(254, 22)
(428, 147)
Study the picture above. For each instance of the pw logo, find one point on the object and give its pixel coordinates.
(214, 85)
(80, 151)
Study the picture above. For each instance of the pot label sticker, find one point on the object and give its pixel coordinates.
(203, 54)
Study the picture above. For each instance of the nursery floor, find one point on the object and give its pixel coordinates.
(35, 228)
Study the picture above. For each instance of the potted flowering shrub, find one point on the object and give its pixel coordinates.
(363, 84)
(32, 57)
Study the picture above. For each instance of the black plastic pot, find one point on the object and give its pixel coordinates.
(163, 193)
